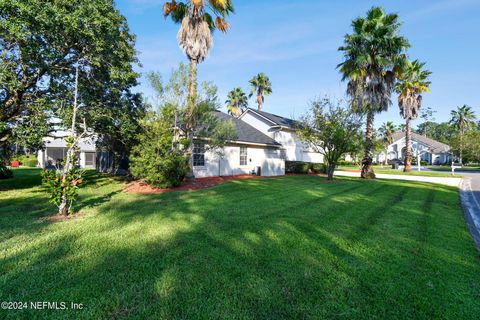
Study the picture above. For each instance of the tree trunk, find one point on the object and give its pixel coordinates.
(408, 147)
(462, 130)
(259, 99)
(385, 161)
(330, 171)
(64, 207)
(367, 169)
(192, 103)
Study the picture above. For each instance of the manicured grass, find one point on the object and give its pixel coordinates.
(291, 247)
(388, 170)
(449, 169)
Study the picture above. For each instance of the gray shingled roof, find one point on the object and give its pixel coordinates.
(279, 120)
(247, 133)
(435, 146)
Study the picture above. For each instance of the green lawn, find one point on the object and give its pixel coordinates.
(388, 170)
(292, 247)
(449, 169)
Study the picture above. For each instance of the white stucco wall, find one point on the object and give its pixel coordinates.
(294, 148)
(229, 163)
(257, 123)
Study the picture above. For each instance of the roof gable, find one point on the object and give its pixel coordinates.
(274, 120)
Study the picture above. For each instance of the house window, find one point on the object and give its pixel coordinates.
(243, 156)
(89, 159)
(198, 154)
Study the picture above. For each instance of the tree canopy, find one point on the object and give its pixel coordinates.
(41, 43)
(332, 130)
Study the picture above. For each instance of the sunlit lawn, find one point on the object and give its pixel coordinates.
(291, 247)
(389, 170)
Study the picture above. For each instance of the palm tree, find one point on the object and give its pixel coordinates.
(236, 102)
(370, 55)
(462, 119)
(195, 38)
(386, 132)
(262, 85)
(413, 81)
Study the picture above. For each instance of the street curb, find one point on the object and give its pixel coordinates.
(470, 205)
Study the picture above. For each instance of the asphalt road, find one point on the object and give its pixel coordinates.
(470, 196)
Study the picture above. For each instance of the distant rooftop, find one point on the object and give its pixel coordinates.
(435, 146)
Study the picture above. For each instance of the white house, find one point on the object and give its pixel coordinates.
(251, 152)
(265, 141)
(432, 151)
(282, 130)
(55, 151)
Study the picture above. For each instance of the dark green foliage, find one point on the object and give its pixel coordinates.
(56, 186)
(5, 173)
(331, 130)
(41, 43)
(157, 158)
(299, 167)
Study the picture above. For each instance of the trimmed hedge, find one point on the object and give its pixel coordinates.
(304, 167)
(31, 163)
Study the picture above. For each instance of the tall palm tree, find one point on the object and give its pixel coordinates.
(386, 132)
(196, 40)
(262, 86)
(370, 55)
(412, 82)
(462, 119)
(237, 102)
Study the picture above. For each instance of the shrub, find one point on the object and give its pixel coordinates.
(164, 171)
(31, 163)
(54, 184)
(299, 167)
(423, 163)
(346, 163)
(318, 168)
(155, 159)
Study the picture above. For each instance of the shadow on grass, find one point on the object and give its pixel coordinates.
(257, 249)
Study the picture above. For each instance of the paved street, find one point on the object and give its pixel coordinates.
(470, 195)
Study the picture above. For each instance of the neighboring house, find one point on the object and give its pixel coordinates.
(282, 130)
(55, 151)
(251, 151)
(432, 151)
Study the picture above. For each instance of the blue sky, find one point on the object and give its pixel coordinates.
(295, 43)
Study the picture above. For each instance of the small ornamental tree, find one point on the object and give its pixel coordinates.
(63, 183)
(331, 130)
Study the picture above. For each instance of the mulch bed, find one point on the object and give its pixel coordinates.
(142, 187)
